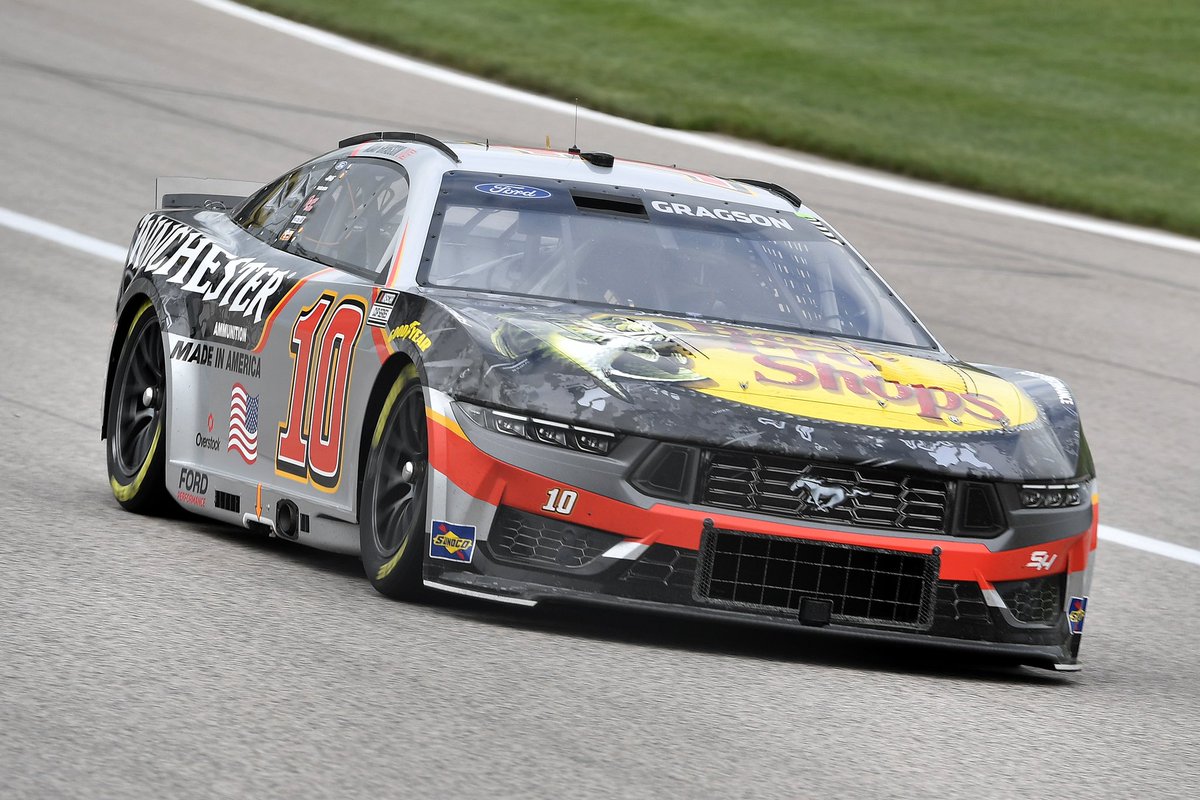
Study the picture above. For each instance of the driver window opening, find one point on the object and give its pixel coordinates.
(352, 214)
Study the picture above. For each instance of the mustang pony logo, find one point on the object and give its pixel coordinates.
(822, 497)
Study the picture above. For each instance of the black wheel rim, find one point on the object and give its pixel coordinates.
(139, 400)
(399, 498)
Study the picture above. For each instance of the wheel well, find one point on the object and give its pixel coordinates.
(383, 383)
(120, 333)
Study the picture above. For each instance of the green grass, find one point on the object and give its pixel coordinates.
(1092, 106)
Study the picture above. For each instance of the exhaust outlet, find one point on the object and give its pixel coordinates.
(287, 520)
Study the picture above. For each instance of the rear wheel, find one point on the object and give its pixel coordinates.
(137, 419)
(393, 502)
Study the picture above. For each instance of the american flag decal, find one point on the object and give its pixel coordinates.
(243, 424)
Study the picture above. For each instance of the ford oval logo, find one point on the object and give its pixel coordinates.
(512, 190)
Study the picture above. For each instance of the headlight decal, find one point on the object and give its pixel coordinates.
(545, 431)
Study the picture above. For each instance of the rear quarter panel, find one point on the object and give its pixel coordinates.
(254, 339)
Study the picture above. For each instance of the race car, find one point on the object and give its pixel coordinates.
(530, 376)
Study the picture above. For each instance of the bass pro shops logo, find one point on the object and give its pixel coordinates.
(821, 497)
(452, 542)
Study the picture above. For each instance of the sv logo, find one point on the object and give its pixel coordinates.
(1041, 560)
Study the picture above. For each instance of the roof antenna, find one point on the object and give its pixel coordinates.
(574, 149)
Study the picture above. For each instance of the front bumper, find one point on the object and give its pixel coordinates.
(619, 547)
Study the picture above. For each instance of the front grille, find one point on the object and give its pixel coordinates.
(531, 539)
(867, 586)
(848, 495)
(663, 565)
(961, 601)
(1037, 600)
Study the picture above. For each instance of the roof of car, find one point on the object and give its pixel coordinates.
(536, 162)
(514, 161)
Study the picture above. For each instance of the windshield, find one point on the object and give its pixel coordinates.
(686, 256)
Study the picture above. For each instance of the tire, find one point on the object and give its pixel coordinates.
(137, 419)
(395, 492)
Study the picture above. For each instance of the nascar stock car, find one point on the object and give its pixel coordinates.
(529, 375)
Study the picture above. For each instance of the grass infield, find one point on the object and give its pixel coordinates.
(1087, 105)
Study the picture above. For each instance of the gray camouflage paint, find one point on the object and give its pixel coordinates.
(216, 288)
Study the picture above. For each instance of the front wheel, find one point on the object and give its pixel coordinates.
(137, 419)
(393, 502)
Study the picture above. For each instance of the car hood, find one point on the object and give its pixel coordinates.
(727, 385)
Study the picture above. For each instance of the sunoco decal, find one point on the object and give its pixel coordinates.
(452, 542)
(1076, 611)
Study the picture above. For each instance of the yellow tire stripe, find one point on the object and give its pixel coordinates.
(387, 568)
(137, 317)
(126, 492)
(407, 374)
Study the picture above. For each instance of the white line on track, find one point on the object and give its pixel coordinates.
(60, 235)
(840, 172)
(111, 252)
(1156, 546)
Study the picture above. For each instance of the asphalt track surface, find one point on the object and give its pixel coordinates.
(176, 658)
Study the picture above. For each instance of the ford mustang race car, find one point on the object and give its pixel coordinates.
(527, 376)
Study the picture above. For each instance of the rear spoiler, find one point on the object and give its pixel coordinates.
(214, 194)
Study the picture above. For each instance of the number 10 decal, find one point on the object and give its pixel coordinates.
(560, 501)
(309, 446)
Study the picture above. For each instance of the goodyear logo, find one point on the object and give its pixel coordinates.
(410, 331)
(452, 542)
(1076, 611)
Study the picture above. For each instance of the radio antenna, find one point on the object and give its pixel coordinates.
(575, 147)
